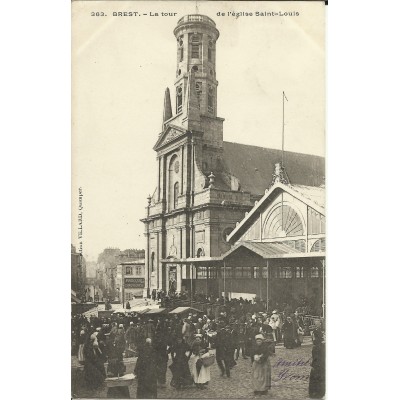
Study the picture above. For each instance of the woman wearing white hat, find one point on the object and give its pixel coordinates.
(94, 363)
(275, 323)
(82, 340)
(261, 366)
(199, 371)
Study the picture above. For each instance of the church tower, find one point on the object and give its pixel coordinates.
(196, 37)
(182, 212)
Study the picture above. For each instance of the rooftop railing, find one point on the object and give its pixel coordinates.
(196, 18)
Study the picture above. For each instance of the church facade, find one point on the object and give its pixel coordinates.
(205, 185)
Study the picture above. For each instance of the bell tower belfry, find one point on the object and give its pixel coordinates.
(191, 117)
(196, 37)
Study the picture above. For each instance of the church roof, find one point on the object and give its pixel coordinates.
(254, 167)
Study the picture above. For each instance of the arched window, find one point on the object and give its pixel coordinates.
(195, 46)
(152, 262)
(319, 245)
(283, 221)
(180, 44)
(199, 89)
(299, 272)
(314, 272)
(285, 272)
(179, 99)
(173, 182)
(176, 193)
(181, 54)
(210, 99)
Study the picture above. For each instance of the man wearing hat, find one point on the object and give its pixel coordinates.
(120, 342)
(129, 337)
(102, 339)
(150, 329)
(113, 332)
(222, 355)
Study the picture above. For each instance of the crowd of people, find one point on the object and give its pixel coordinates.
(192, 342)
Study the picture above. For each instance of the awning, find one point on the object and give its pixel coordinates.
(272, 250)
(92, 311)
(142, 311)
(156, 311)
(264, 250)
(190, 260)
(74, 298)
(180, 310)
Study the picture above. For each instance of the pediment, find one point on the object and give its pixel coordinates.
(313, 197)
(170, 134)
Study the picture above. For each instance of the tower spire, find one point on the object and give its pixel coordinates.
(167, 114)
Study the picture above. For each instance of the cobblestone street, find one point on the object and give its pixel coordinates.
(290, 372)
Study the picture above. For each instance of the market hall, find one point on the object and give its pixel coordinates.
(277, 254)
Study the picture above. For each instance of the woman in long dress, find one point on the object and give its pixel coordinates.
(146, 372)
(200, 373)
(94, 363)
(316, 388)
(289, 334)
(261, 366)
(181, 376)
(81, 348)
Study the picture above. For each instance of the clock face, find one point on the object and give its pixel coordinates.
(176, 167)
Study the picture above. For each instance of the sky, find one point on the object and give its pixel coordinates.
(120, 69)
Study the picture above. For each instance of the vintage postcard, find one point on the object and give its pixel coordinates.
(198, 199)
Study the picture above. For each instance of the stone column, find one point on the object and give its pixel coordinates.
(158, 261)
(159, 189)
(182, 168)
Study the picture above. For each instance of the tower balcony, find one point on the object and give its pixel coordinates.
(223, 197)
(196, 22)
(196, 18)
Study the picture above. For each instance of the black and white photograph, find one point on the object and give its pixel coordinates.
(198, 244)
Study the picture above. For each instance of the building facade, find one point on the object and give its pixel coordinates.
(205, 185)
(78, 273)
(131, 280)
(109, 270)
(93, 284)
